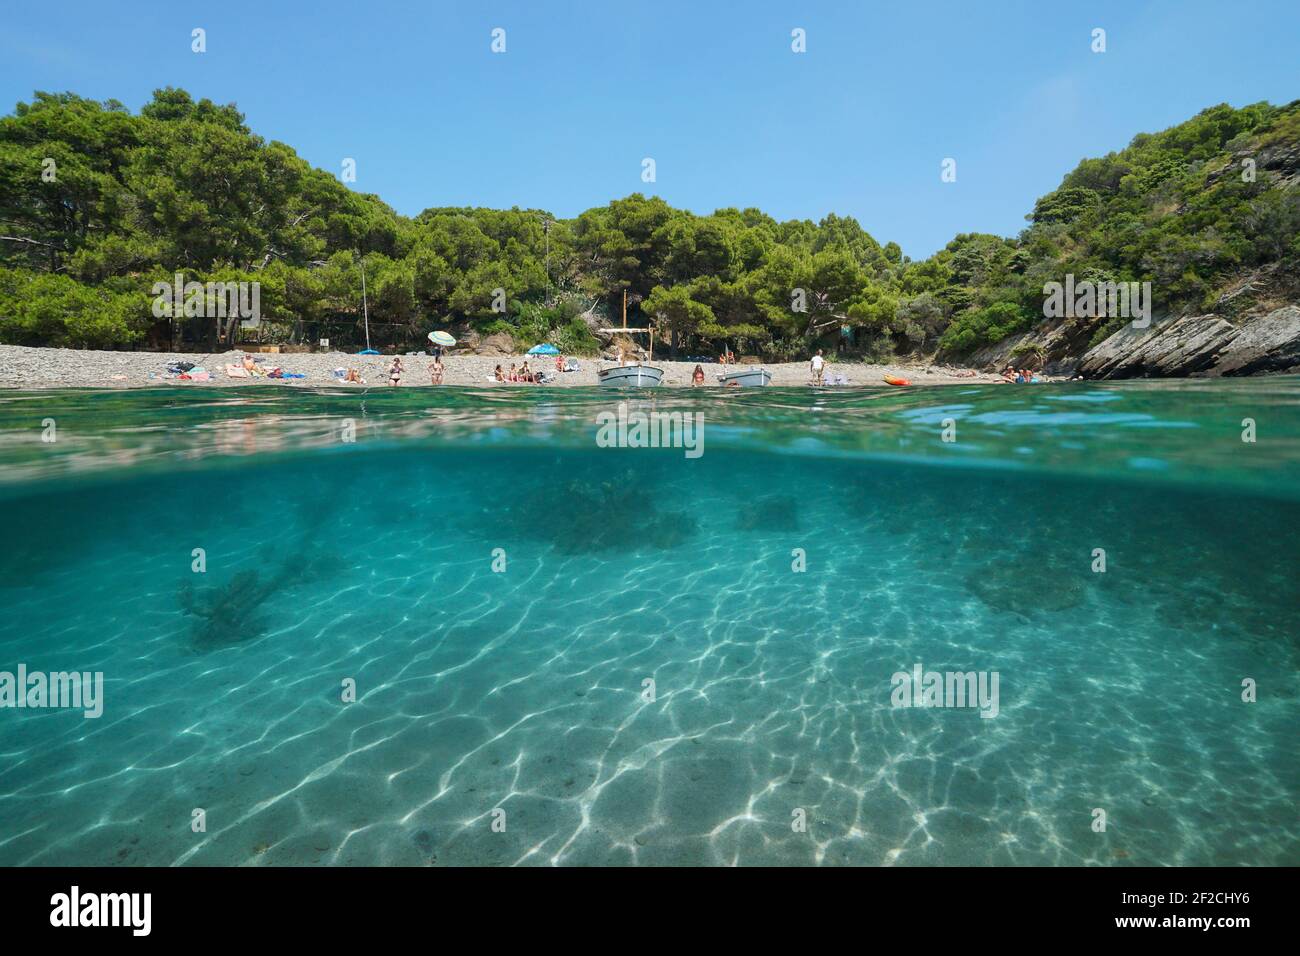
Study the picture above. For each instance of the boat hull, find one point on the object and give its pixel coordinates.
(748, 378)
(631, 376)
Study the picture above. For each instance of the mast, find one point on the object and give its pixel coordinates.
(365, 308)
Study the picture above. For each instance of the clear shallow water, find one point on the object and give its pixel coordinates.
(522, 690)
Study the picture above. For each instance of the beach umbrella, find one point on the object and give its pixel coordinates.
(546, 348)
(442, 338)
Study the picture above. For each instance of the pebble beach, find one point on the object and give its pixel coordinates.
(35, 368)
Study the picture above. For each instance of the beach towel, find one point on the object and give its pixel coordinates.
(201, 375)
(571, 365)
(236, 371)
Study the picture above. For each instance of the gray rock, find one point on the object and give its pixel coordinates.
(1204, 345)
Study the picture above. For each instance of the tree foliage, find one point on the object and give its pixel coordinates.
(98, 204)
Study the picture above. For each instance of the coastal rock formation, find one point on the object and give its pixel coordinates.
(1200, 345)
(1252, 328)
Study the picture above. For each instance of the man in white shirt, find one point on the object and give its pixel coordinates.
(817, 364)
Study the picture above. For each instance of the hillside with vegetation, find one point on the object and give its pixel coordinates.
(97, 204)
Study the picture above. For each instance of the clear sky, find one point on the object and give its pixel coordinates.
(711, 90)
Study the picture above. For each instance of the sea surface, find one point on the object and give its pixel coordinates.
(450, 627)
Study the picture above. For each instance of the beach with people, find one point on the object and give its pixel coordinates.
(31, 368)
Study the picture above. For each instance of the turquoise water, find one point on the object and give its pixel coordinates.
(523, 690)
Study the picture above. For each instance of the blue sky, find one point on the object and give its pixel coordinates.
(858, 125)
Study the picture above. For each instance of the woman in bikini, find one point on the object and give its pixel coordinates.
(395, 372)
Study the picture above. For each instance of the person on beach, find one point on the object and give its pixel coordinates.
(817, 364)
(435, 371)
(697, 377)
(513, 374)
(559, 363)
(395, 372)
(500, 375)
(354, 376)
(525, 373)
(1009, 374)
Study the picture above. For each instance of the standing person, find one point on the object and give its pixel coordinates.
(817, 364)
(395, 371)
(697, 377)
(435, 371)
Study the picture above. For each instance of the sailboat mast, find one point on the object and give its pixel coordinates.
(365, 308)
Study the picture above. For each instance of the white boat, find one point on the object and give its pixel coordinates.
(751, 377)
(631, 376)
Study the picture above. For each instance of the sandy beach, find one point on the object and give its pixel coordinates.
(22, 367)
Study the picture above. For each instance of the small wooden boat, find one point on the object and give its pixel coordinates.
(631, 376)
(638, 375)
(753, 377)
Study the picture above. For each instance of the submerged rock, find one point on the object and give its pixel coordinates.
(779, 513)
(1024, 585)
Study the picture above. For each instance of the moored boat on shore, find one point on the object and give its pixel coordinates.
(631, 376)
(754, 377)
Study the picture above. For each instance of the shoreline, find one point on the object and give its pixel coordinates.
(27, 367)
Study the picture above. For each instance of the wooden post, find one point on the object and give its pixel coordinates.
(652, 341)
(625, 308)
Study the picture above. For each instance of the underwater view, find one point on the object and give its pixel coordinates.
(466, 627)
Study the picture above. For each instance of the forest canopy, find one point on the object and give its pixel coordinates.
(98, 204)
